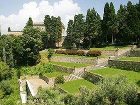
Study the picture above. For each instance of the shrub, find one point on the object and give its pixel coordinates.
(71, 52)
(93, 53)
(80, 53)
(59, 79)
(5, 72)
(60, 52)
(50, 54)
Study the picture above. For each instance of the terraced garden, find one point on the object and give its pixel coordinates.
(111, 72)
(110, 48)
(73, 87)
(135, 59)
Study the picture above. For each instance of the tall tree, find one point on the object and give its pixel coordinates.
(133, 21)
(29, 23)
(105, 20)
(112, 23)
(68, 41)
(93, 27)
(78, 29)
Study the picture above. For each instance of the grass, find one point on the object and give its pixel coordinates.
(72, 87)
(70, 65)
(55, 74)
(110, 48)
(135, 59)
(111, 72)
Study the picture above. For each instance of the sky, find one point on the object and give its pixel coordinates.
(15, 13)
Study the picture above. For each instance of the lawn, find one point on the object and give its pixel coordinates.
(72, 87)
(135, 59)
(111, 72)
(55, 74)
(70, 65)
(110, 48)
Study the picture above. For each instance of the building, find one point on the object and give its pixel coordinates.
(41, 26)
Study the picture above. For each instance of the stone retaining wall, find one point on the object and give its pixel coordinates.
(64, 69)
(129, 65)
(74, 59)
(94, 78)
(46, 79)
(135, 53)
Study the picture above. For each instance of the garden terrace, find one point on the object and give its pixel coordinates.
(134, 59)
(73, 87)
(110, 48)
(111, 72)
(70, 64)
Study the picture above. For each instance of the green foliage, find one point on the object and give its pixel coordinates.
(59, 79)
(29, 23)
(50, 54)
(5, 89)
(49, 97)
(5, 72)
(69, 40)
(53, 26)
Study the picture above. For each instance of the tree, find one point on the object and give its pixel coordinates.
(105, 20)
(29, 23)
(5, 72)
(9, 29)
(113, 25)
(78, 29)
(69, 40)
(93, 28)
(133, 21)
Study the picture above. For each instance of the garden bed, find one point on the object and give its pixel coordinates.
(73, 87)
(111, 72)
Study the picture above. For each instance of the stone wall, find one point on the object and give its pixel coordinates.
(94, 78)
(110, 53)
(135, 53)
(128, 65)
(64, 69)
(74, 59)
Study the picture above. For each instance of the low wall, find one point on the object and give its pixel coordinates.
(94, 78)
(64, 69)
(74, 59)
(128, 65)
(135, 53)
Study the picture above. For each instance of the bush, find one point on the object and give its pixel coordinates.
(5, 72)
(93, 53)
(5, 88)
(71, 52)
(50, 54)
(59, 79)
(60, 52)
(80, 53)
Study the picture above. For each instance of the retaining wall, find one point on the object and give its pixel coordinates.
(128, 65)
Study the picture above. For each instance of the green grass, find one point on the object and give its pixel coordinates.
(135, 59)
(55, 74)
(72, 87)
(111, 72)
(70, 65)
(110, 48)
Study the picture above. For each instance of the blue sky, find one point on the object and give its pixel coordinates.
(15, 13)
(8, 7)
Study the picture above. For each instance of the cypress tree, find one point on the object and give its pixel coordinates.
(29, 23)
(68, 41)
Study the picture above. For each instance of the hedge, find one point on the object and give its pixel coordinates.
(93, 53)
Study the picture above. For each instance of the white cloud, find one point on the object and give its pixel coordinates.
(66, 9)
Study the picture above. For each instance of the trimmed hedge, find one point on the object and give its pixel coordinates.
(93, 53)
(60, 52)
(80, 53)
